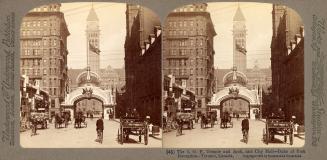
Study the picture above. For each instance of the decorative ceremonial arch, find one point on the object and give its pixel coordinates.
(235, 88)
(97, 93)
(88, 89)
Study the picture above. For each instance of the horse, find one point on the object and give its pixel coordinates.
(79, 119)
(224, 119)
(60, 120)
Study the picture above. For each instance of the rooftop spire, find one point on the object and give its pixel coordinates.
(239, 15)
(92, 15)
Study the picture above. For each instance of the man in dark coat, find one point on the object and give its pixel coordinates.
(245, 125)
(99, 129)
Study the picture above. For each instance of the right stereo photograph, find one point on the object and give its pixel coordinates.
(233, 76)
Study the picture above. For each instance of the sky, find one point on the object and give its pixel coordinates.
(112, 33)
(259, 32)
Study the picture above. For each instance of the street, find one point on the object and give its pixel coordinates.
(224, 138)
(71, 137)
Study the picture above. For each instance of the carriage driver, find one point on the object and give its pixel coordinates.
(245, 125)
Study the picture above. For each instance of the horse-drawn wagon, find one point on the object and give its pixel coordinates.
(39, 120)
(278, 127)
(186, 119)
(208, 118)
(226, 120)
(80, 120)
(61, 120)
(132, 126)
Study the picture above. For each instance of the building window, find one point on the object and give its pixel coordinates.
(45, 42)
(44, 71)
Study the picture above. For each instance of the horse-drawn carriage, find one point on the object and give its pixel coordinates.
(186, 119)
(226, 120)
(208, 118)
(132, 126)
(278, 127)
(80, 120)
(61, 120)
(39, 119)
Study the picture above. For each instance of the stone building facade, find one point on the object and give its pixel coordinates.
(43, 41)
(188, 52)
(143, 62)
(287, 61)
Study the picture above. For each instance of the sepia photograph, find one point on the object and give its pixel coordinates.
(90, 76)
(233, 76)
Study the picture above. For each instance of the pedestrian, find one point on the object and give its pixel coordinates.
(99, 129)
(135, 114)
(179, 126)
(33, 125)
(245, 128)
(91, 115)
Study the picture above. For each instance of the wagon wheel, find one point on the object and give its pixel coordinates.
(45, 125)
(291, 138)
(121, 136)
(285, 138)
(118, 136)
(267, 134)
(140, 136)
(146, 137)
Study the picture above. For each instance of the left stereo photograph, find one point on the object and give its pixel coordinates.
(90, 76)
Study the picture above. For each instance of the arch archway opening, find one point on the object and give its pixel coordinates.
(235, 106)
(90, 107)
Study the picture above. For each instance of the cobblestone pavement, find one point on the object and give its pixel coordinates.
(82, 138)
(224, 138)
